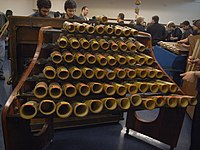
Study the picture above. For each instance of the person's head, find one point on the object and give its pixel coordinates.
(140, 21)
(185, 25)
(70, 8)
(44, 7)
(9, 13)
(155, 19)
(120, 17)
(196, 25)
(84, 10)
(171, 26)
(56, 14)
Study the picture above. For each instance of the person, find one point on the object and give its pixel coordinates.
(196, 31)
(156, 30)
(3, 20)
(56, 14)
(84, 13)
(139, 24)
(174, 33)
(187, 29)
(120, 19)
(191, 76)
(70, 9)
(44, 7)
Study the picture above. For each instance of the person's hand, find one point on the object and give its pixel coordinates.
(195, 61)
(189, 76)
(185, 45)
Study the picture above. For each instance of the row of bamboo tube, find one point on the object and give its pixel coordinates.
(99, 29)
(102, 59)
(55, 90)
(64, 109)
(96, 44)
(76, 73)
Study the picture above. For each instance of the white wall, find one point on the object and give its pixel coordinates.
(19, 7)
(175, 10)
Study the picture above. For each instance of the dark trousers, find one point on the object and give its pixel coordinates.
(195, 133)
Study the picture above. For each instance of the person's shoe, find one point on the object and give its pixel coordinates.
(2, 77)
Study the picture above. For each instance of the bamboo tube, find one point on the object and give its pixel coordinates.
(142, 86)
(172, 86)
(140, 59)
(135, 100)
(151, 73)
(88, 73)
(182, 101)
(134, 32)
(192, 100)
(130, 73)
(148, 59)
(80, 109)
(41, 90)
(83, 89)
(122, 46)
(99, 73)
(95, 106)
(142, 73)
(75, 72)
(49, 72)
(56, 57)
(131, 46)
(153, 87)
(159, 100)
(110, 103)
(96, 87)
(101, 59)
(104, 44)
(121, 73)
(79, 27)
(55, 90)
(171, 101)
(62, 73)
(109, 89)
(94, 44)
(47, 107)
(120, 89)
(159, 73)
(130, 60)
(28, 110)
(120, 59)
(102, 19)
(89, 28)
(69, 90)
(80, 58)
(63, 109)
(69, 26)
(140, 46)
(148, 103)
(110, 74)
(108, 29)
(62, 42)
(84, 43)
(131, 88)
(99, 29)
(74, 43)
(117, 31)
(163, 87)
(111, 60)
(113, 45)
(91, 59)
(68, 57)
(124, 103)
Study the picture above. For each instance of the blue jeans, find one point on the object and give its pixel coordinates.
(2, 55)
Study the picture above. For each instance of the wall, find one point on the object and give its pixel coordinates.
(175, 10)
(19, 7)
